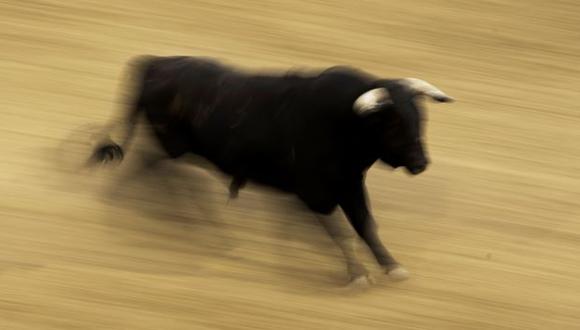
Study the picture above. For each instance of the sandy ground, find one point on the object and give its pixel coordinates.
(491, 232)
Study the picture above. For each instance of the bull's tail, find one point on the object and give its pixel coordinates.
(108, 148)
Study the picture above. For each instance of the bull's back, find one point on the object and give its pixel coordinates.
(247, 125)
(235, 120)
(251, 128)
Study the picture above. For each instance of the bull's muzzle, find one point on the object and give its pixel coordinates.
(416, 169)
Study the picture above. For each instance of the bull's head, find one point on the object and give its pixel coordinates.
(395, 104)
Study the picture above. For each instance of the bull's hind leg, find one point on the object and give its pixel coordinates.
(346, 241)
(171, 138)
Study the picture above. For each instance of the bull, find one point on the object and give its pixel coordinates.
(314, 135)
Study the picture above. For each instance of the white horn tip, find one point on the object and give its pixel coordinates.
(443, 98)
(424, 88)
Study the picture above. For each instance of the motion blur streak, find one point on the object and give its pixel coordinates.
(490, 232)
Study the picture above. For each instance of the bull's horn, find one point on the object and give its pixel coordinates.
(371, 101)
(421, 87)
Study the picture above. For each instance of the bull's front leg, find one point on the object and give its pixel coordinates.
(355, 206)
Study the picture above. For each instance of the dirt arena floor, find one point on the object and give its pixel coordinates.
(491, 232)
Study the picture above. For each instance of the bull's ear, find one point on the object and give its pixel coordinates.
(421, 87)
(372, 101)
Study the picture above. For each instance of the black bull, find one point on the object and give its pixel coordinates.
(313, 135)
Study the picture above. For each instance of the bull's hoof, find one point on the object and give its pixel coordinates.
(398, 273)
(356, 285)
(361, 282)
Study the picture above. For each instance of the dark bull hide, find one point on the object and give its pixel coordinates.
(313, 135)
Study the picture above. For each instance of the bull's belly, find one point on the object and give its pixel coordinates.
(281, 180)
(278, 176)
